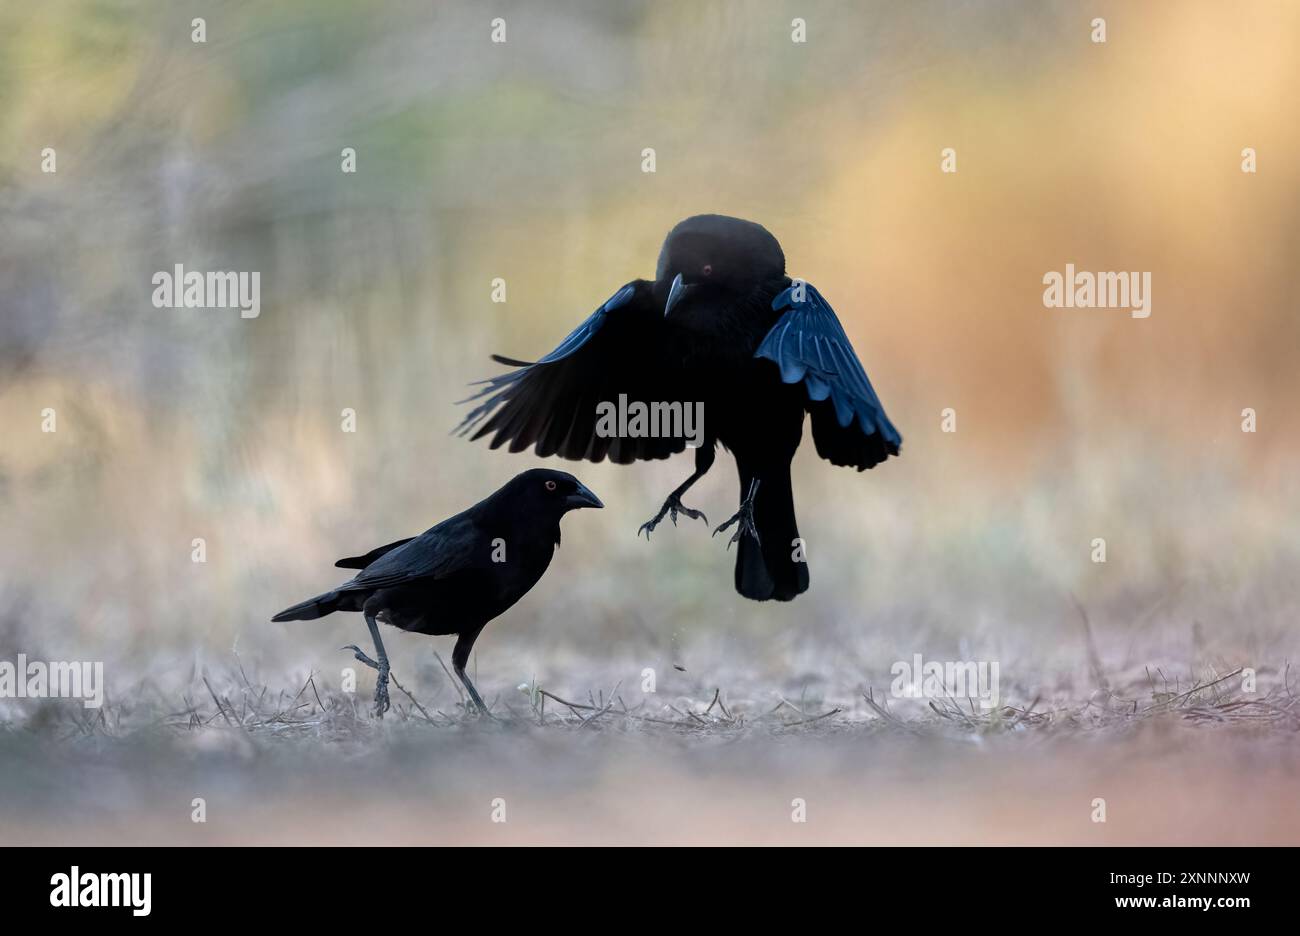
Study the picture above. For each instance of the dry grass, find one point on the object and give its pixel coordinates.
(326, 714)
(1195, 762)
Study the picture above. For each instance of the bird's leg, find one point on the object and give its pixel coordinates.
(473, 693)
(382, 685)
(382, 704)
(459, 657)
(673, 505)
(744, 517)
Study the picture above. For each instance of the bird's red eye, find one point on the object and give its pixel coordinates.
(550, 485)
(708, 269)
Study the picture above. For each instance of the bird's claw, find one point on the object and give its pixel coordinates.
(672, 507)
(382, 704)
(744, 518)
(360, 655)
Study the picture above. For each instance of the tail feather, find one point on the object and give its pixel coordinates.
(767, 569)
(310, 609)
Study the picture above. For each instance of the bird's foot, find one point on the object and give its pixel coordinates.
(477, 701)
(360, 655)
(382, 703)
(671, 508)
(475, 704)
(744, 518)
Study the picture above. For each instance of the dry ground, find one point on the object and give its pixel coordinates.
(1199, 763)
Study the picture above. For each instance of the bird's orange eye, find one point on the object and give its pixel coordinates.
(550, 485)
(708, 269)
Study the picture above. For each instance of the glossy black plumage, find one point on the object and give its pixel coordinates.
(723, 324)
(460, 574)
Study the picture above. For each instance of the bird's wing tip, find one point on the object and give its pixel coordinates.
(512, 362)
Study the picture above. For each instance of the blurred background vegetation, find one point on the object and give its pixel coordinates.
(523, 161)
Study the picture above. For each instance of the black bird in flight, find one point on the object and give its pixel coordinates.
(455, 577)
(721, 324)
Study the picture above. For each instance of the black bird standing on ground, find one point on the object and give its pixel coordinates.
(721, 324)
(458, 575)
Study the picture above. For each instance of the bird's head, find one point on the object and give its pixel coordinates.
(545, 492)
(715, 256)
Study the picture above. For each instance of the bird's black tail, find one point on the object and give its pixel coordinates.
(310, 609)
(773, 567)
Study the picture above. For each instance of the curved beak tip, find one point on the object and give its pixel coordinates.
(675, 293)
(583, 497)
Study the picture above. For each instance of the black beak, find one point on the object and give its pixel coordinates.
(582, 497)
(675, 294)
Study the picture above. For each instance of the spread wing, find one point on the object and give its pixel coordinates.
(552, 404)
(444, 550)
(808, 344)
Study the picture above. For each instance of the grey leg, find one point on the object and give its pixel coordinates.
(473, 693)
(459, 657)
(382, 704)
